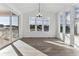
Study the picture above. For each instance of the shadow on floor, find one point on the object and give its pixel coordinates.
(16, 50)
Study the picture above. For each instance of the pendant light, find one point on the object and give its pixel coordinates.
(39, 14)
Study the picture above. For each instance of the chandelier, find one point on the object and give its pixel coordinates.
(39, 14)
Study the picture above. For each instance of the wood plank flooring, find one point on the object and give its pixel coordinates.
(52, 47)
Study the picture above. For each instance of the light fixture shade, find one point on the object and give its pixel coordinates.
(39, 15)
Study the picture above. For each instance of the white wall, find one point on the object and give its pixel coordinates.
(26, 30)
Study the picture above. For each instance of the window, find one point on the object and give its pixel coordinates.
(67, 22)
(39, 24)
(46, 25)
(32, 27)
(61, 23)
(32, 23)
(77, 12)
(39, 27)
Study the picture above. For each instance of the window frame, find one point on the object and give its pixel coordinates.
(42, 19)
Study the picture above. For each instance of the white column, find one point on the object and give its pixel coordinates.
(64, 26)
(72, 18)
(21, 25)
(58, 27)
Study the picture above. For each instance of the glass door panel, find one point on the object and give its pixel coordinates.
(76, 34)
(15, 28)
(4, 30)
(67, 28)
(61, 27)
(76, 28)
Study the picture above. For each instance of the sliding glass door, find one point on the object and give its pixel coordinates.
(61, 27)
(15, 27)
(76, 28)
(4, 30)
(8, 29)
(67, 28)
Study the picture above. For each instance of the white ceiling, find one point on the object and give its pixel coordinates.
(3, 8)
(52, 7)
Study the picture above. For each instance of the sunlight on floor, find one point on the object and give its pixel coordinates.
(27, 50)
(24, 48)
(8, 51)
(66, 46)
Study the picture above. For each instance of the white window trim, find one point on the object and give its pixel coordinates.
(42, 25)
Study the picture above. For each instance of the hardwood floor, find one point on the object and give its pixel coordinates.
(52, 47)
